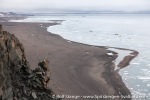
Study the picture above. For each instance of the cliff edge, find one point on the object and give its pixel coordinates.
(17, 80)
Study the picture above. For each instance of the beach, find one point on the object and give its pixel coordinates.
(76, 69)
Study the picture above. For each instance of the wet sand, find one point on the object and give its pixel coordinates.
(76, 69)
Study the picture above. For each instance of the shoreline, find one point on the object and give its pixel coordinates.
(124, 62)
(96, 55)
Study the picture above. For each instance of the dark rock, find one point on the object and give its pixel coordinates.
(1, 30)
(44, 64)
(116, 34)
(17, 80)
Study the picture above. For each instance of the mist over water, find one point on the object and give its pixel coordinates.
(124, 31)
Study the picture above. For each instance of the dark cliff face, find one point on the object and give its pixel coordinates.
(17, 80)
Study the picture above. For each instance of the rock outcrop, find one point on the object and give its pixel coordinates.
(17, 80)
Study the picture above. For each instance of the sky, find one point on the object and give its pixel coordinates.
(83, 5)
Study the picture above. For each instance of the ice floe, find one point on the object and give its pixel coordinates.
(110, 54)
(135, 63)
(143, 77)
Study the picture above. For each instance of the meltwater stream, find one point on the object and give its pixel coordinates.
(123, 31)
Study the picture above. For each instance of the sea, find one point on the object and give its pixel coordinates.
(130, 31)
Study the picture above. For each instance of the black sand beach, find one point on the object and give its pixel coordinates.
(76, 69)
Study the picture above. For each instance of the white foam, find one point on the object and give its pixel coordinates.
(69, 41)
(132, 55)
(144, 69)
(135, 63)
(125, 73)
(110, 54)
(144, 77)
(148, 85)
(1, 15)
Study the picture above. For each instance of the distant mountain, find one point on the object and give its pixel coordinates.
(11, 14)
(143, 12)
(87, 12)
(60, 12)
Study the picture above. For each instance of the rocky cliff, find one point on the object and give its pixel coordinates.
(17, 80)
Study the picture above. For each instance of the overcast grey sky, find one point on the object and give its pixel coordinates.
(117, 5)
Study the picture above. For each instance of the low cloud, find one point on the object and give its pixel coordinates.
(117, 5)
